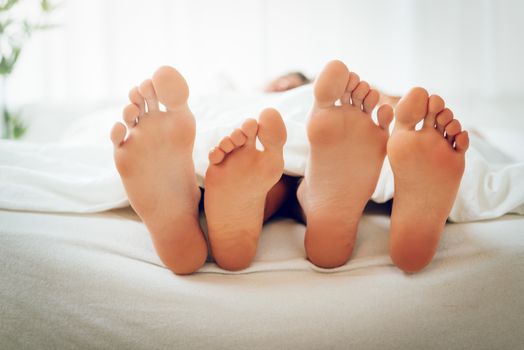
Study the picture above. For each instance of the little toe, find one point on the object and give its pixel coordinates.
(118, 133)
(411, 108)
(138, 100)
(331, 83)
(238, 137)
(147, 90)
(216, 156)
(353, 81)
(130, 115)
(358, 95)
(250, 128)
(385, 116)
(462, 142)
(370, 101)
(452, 130)
(271, 130)
(171, 88)
(435, 105)
(443, 119)
(226, 145)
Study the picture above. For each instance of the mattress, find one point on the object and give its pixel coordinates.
(94, 281)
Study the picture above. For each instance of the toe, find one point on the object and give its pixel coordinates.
(226, 144)
(118, 133)
(385, 116)
(137, 100)
(443, 119)
(271, 130)
(147, 90)
(250, 128)
(370, 101)
(462, 142)
(452, 130)
(171, 88)
(130, 115)
(238, 137)
(353, 81)
(411, 108)
(435, 105)
(331, 83)
(358, 95)
(216, 156)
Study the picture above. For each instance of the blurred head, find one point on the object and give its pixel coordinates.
(287, 82)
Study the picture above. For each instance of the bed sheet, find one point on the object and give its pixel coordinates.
(94, 281)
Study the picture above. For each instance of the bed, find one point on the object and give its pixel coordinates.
(93, 280)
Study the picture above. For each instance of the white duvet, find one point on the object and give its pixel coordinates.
(77, 174)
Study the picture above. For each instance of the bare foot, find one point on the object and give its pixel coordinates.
(156, 166)
(428, 165)
(237, 182)
(346, 155)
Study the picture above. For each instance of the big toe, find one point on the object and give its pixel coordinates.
(171, 87)
(271, 129)
(331, 83)
(412, 108)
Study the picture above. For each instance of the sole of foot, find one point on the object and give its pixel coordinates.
(347, 150)
(427, 165)
(237, 182)
(155, 164)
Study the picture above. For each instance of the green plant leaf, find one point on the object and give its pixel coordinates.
(48, 6)
(18, 127)
(7, 63)
(45, 5)
(14, 126)
(4, 66)
(7, 4)
(5, 24)
(7, 123)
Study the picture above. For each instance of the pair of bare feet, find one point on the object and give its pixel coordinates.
(244, 185)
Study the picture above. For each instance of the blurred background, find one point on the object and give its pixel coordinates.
(466, 49)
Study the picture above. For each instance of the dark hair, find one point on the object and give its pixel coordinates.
(301, 76)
